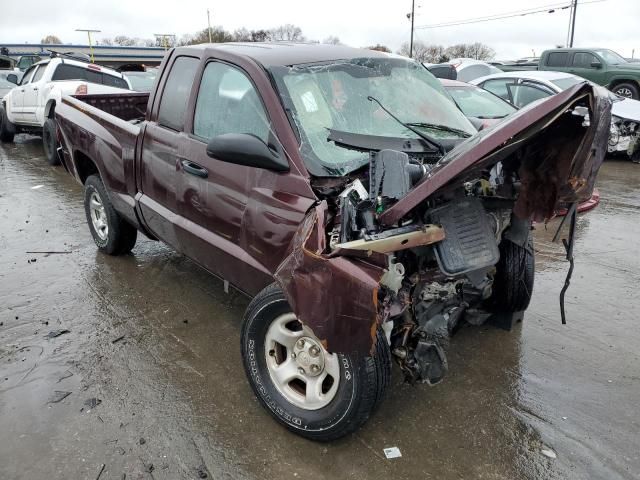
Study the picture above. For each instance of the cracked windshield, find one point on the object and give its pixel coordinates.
(348, 96)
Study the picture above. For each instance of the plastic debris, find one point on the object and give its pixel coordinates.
(58, 396)
(547, 452)
(392, 452)
(57, 333)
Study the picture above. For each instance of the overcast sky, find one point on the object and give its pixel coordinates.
(603, 23)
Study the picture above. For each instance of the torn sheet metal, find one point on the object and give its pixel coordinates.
(337, 297)
(562, 154)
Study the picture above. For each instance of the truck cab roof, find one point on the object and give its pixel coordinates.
(271, 54)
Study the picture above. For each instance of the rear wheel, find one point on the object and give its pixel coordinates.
(112, 234)
(49, 141)
(315, 393)
(513, 282)
(627, 89)
(7, 129)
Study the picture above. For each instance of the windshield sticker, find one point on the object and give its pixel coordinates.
(309, 102)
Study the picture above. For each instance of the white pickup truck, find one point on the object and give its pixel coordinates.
(30, 106)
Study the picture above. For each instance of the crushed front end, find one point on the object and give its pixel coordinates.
(419, 245)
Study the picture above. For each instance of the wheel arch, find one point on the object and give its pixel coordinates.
(85, 166)
(615, 81)
(50, 107)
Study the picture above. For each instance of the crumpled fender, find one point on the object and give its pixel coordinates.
(337, 297)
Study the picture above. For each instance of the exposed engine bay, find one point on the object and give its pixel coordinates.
(625, 137)
(419, 244)
(441, 260)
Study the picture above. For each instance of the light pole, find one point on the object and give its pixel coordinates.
(573, 22)
(411, 16)
(89, 32)
(209, 24)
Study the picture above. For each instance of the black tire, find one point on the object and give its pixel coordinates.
(49, 141)
(7, 129)
(513, 282)
(627, 89)
(120, 236)
(363, 380)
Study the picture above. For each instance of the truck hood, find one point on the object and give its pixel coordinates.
(567, 172)
(627, 109)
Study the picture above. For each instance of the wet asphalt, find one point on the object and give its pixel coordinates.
(145, 378)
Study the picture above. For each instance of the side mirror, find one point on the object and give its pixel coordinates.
(248, 150)
(596, 65)
(12, 78)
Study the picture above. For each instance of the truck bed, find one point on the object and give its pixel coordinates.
(126, 106)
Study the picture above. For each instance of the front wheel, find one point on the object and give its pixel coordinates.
(627, 89)
(513, 282)
(49, 141)
(7, 129)
(315, 393)
(112, 234)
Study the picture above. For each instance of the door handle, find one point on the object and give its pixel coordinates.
(194, 169)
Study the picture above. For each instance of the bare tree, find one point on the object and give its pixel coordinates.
(332, 40)
(379, 48)
(422, 52)
(106, 41)
(218, 35)
(477, 50)
(51, 40)
(241, 35)
(287, 32)
(124, 41)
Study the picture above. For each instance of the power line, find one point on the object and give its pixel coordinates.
(521, 13)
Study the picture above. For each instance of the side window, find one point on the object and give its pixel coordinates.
(26, 78)
(112, 81)
(524, 94)
(228, 103)
(69, 72)
(557, 59)
(175, 96)
(498, 87)
(39, 72)
(583, 59)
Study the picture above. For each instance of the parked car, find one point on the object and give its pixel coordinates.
(482, 107)
(345, 192)
(6, 85)
(466, 69)
(522, 88)
(30, 106)
(141, 81)
(600, 65)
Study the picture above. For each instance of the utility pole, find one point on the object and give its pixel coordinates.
(573, 22)
(209, 23)
(89, 32)
(413, 10)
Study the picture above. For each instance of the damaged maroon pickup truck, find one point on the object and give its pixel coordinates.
(344, 192)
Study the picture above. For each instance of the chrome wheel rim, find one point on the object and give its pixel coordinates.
(301, 369)
(624, 92)
(98, 216)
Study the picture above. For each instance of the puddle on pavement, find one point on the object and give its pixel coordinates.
(156, 340)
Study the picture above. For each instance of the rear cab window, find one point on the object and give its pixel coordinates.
(74, 72)
(176, 92)
(557, 59)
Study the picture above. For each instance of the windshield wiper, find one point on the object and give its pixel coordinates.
(442, 128)
(409, 126)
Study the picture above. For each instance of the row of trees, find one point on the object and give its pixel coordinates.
(426, 53)
(422, 52)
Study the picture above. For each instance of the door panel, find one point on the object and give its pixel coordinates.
(581, 66)
(240, 219)
(160, 168)
(31, 93)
